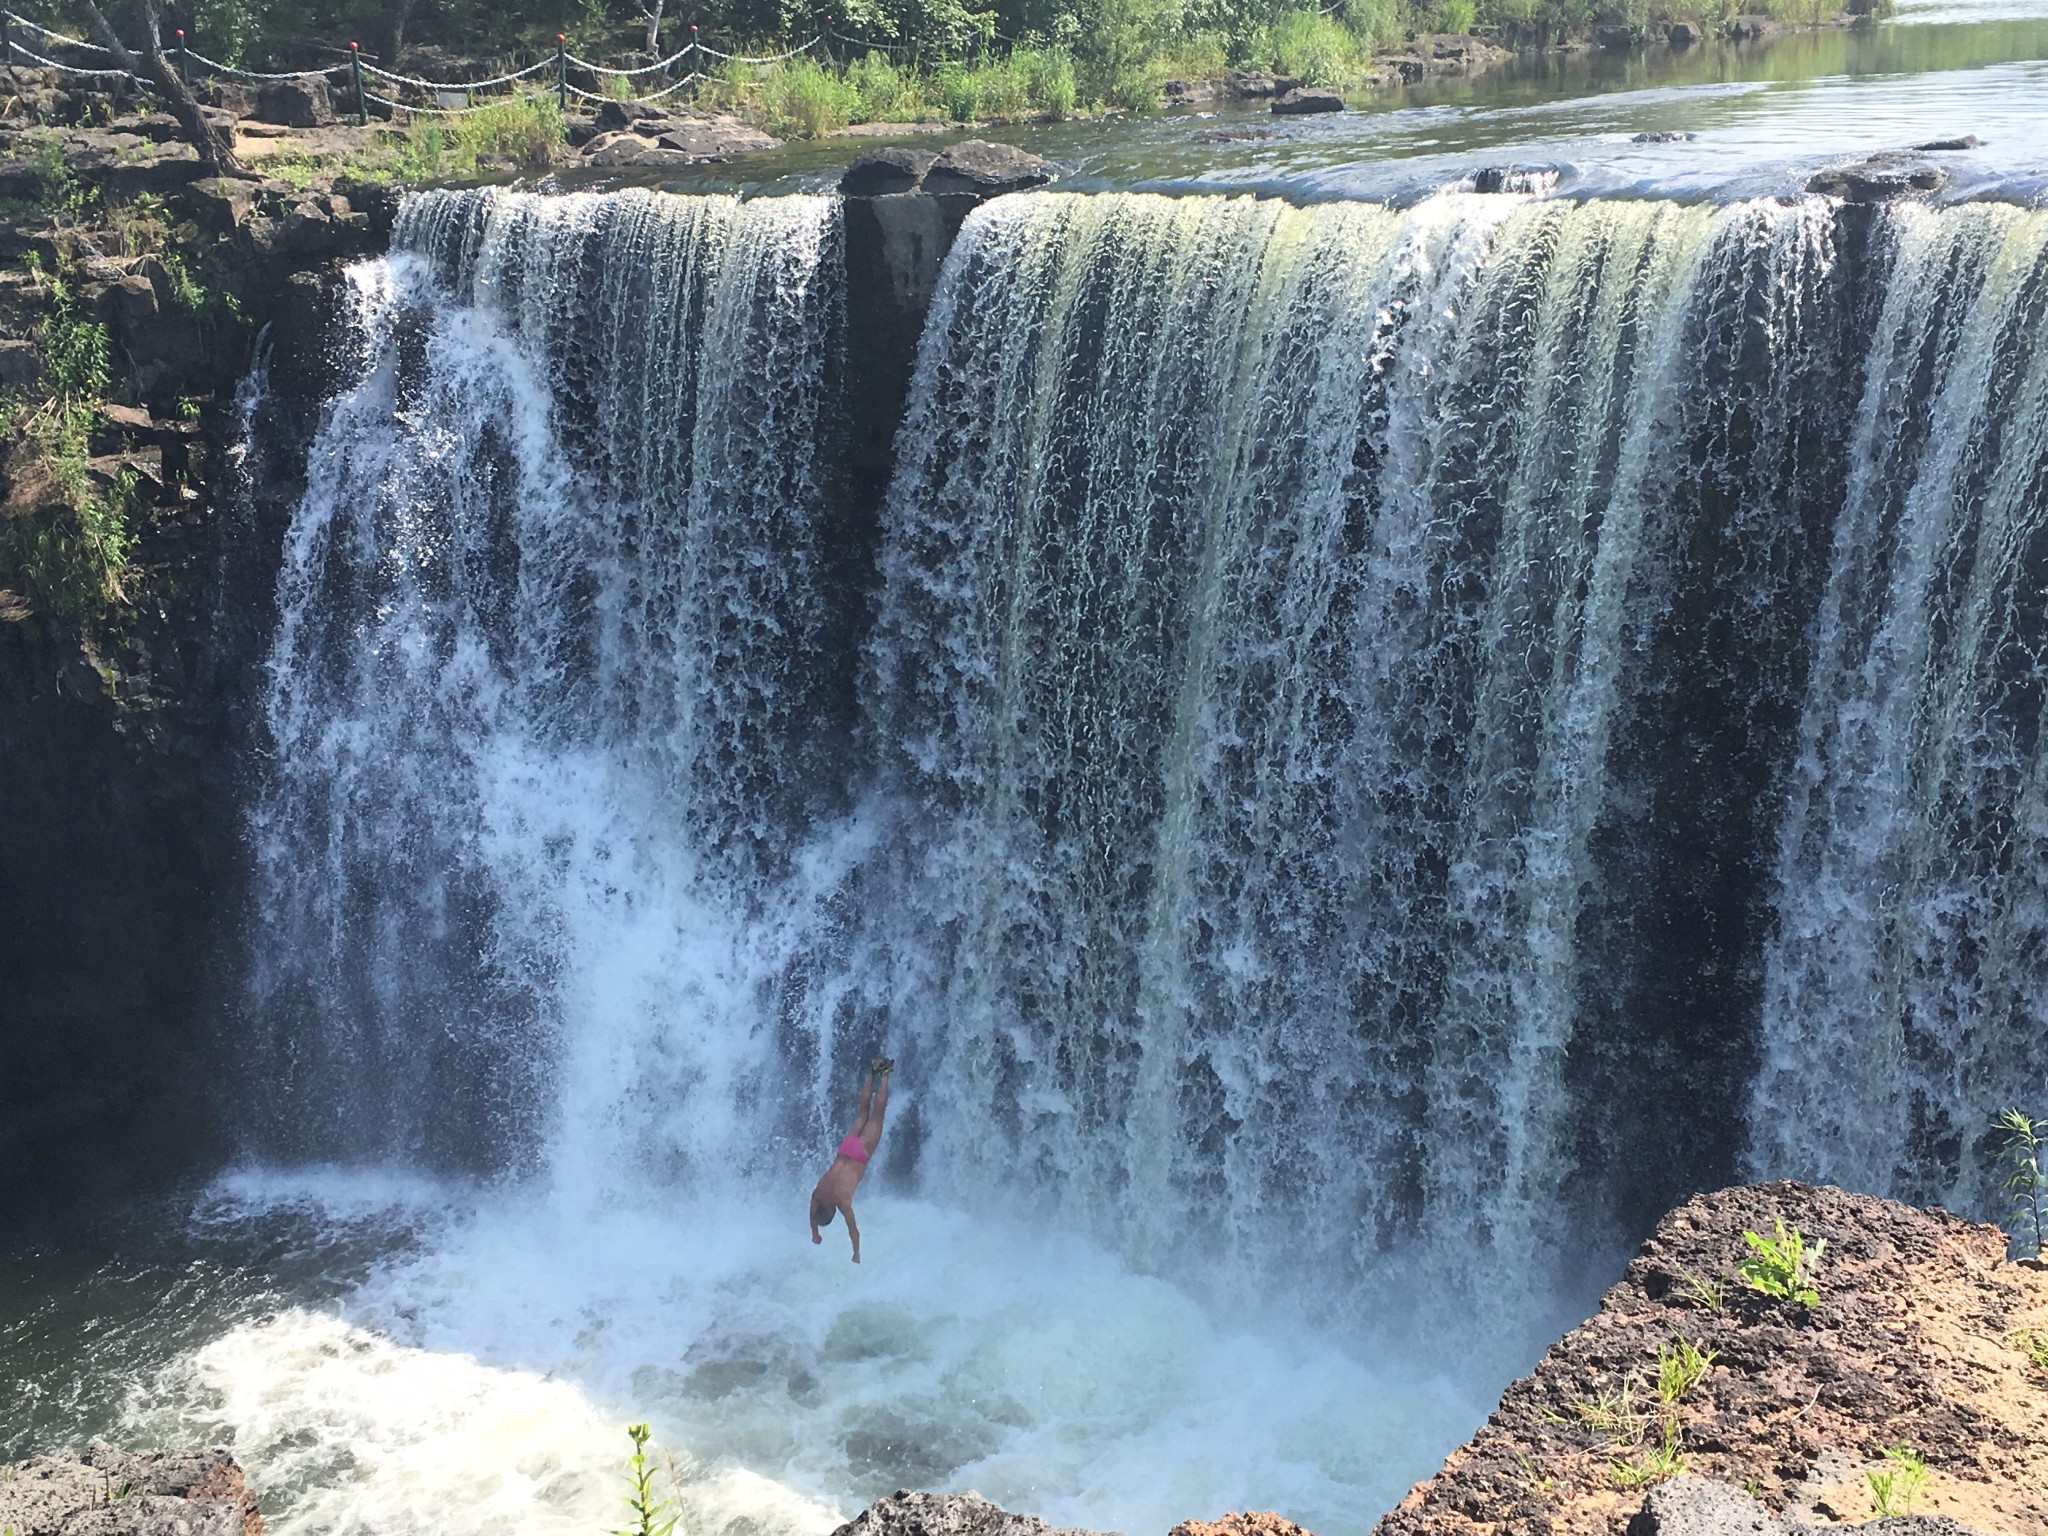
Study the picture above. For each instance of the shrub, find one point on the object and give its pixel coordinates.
(1318, 49)
(526, 130)
(2021, 1140)
(1050, 74)
(1782, 1266)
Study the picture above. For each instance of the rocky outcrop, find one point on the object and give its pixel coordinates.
(120, 737)
(1879, 178)
(903, 207)
(1690, 1505)
(631, 136)
(1916, 1340)
(110, 1492)
(947, 1514)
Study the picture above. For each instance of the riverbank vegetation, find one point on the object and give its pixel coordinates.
(906, 60)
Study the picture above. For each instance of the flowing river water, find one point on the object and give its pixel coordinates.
(1393, 732)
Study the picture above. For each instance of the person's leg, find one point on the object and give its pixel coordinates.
(860, 1117)
(870, 1133)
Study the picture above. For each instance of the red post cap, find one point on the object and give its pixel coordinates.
(181, 31)
(561, 37)
(352, 46)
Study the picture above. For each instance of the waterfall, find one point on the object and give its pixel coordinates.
(1321, 732)
(1382, 748)
(554, 655)
(1908, 976)
(1267, 599)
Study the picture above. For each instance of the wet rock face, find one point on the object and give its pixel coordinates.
(946, 1514)
(1912, 1342)
(110, 1492)
(1880, 178)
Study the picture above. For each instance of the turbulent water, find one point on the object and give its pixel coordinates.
(1384, 746)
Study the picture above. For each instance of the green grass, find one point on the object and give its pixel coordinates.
(1904, 1478)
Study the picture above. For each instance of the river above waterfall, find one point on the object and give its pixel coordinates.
(1750, 119)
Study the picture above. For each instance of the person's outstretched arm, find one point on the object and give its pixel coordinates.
(852, 1227)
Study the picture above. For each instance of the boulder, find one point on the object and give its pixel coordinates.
(1306, 99)
(1253, 84)
(1253, 1522)
(1617, 37)
(109, 1492)
(1191, 93)
(21, 364)
(171, 167)
(946, 1514)
(711, 138)
(1515, 178)
(296, 103)
(1942, 146)
(882, 172)
(977, 168)
(1664, 136)
(617, 116)
(220, 202)
(1878, 179)
(1691, 1505)
(1751, 29)
(1683, 34)
(630, 149)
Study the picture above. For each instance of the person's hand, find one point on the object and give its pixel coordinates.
(817, 1236)
(856, 1255)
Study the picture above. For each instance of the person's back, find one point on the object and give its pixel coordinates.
(834, 1191)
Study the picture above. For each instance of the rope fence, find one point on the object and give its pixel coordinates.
(361, 71)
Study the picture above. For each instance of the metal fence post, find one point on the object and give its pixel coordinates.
(355, 69)
(562, 70)
(184, 66)
(6, 39)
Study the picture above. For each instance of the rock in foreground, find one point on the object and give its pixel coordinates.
(110, 1492)
(1918, 1339)
(946, 1514)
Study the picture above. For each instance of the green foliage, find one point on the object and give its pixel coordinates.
(2033, 1343)
(1781, 1266)
(1680, 1366)
(801, 96)
(63, 196)
(651, 1514)
(72, 548)
(2021, 1140)
(1315, 48)
(1893, 1490)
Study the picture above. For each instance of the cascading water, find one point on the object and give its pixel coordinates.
(1908, 977)
(1307, 804)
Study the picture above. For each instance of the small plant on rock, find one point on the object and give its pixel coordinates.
(2021, 1142)
(1652, 1464)
(1782, 1266)
(650, 1512)
(2033, 1343)
(1904, 1478)
(1707, 1295)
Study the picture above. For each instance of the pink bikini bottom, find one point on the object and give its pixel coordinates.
(852, 1148)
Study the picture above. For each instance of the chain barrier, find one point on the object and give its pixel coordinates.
(772, 58)
(56, 37)
(626, 74)
(236, 72)
(640, 101)
(861, 42)
(455, 85)
(68, 69)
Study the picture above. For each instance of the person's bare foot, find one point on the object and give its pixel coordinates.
(882, 1066)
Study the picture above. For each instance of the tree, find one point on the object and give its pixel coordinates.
(651, 9)
(148, 63)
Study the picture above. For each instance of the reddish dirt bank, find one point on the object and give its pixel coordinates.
(1918, 1339)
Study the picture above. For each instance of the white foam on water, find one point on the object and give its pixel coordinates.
(482, 1380)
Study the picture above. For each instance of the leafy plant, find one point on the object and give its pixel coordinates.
(1893, 1490)
(1782, 1266)
(2021, 1140)
(651, 1514)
